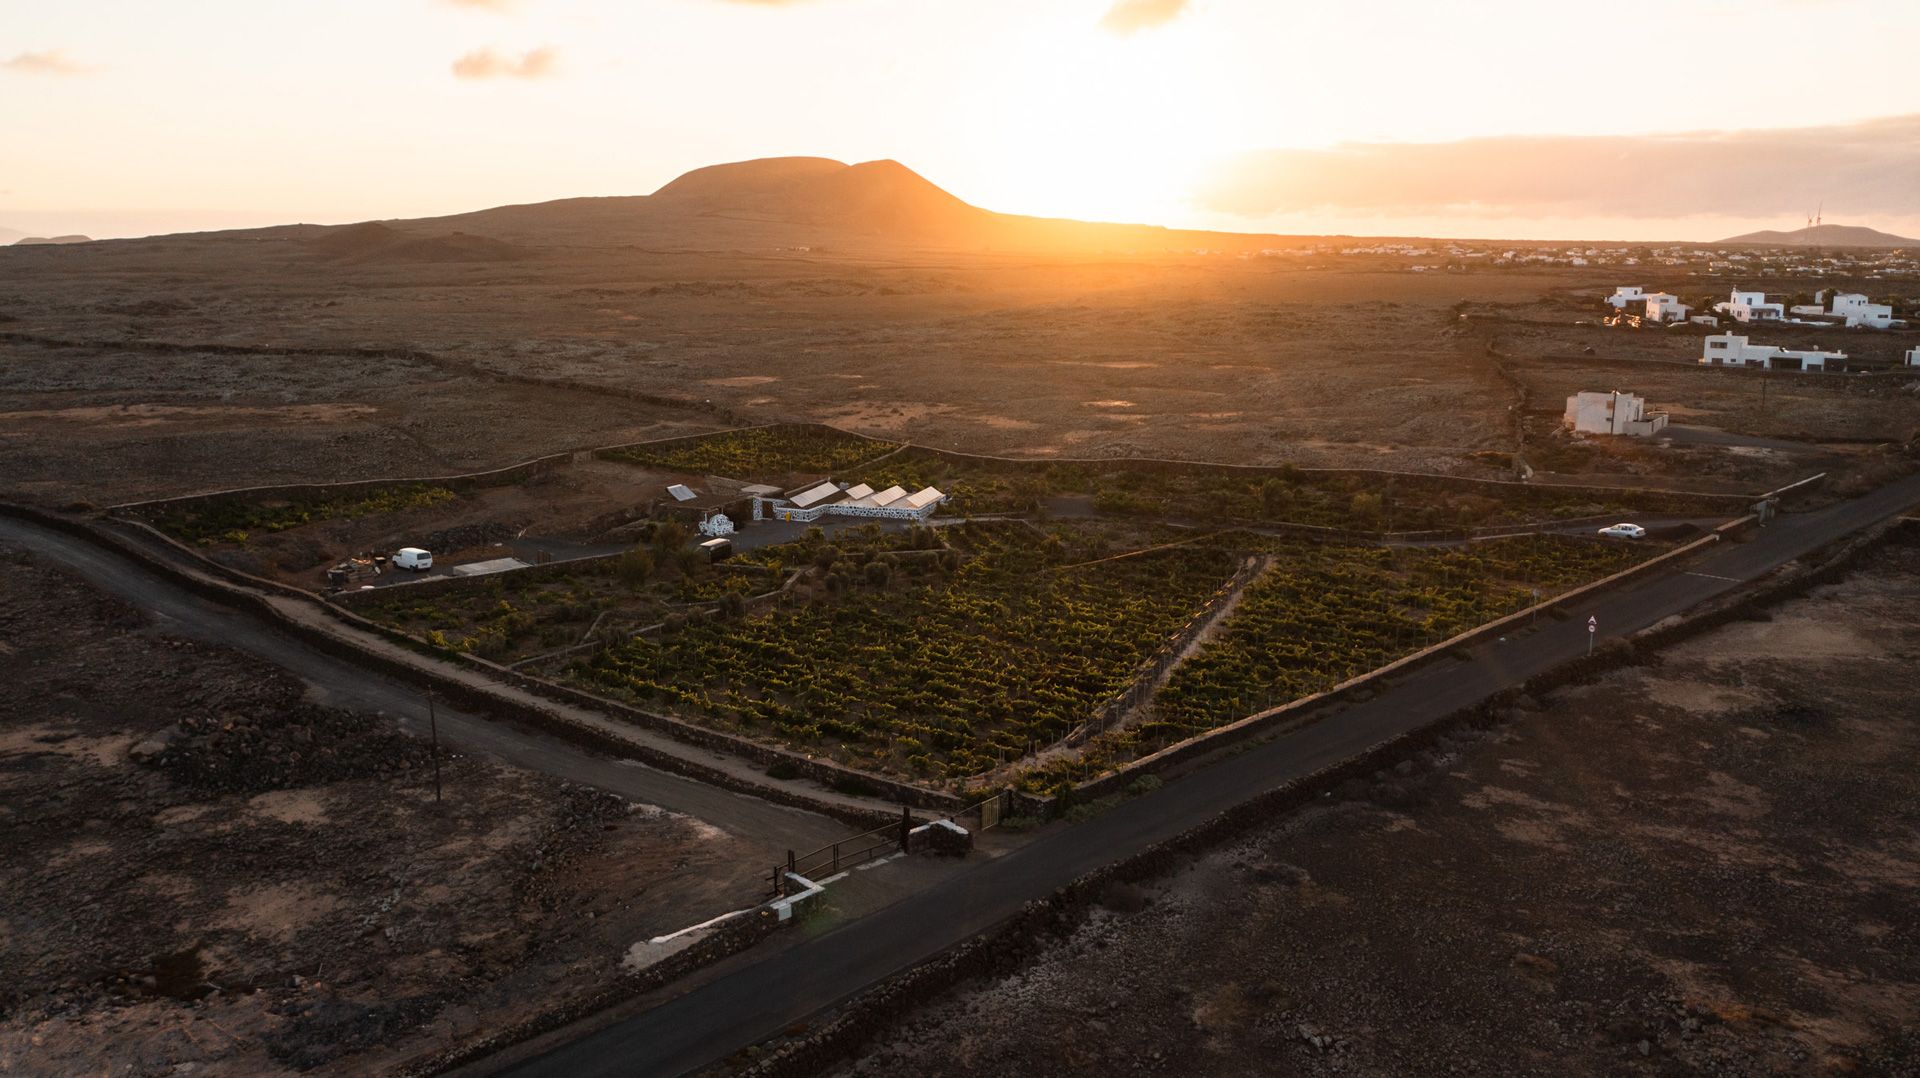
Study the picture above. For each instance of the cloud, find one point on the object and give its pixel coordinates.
(1872, 167)
(1133, 16)
(50, 62)
(488, 64)
(498, 7)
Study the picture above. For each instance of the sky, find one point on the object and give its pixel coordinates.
(1491, 118)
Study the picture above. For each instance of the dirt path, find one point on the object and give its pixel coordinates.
(1259, 565)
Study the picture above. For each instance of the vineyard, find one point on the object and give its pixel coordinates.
(234, 521)
(758, 452)
(1354, 502)
(1325, 613)
(937, 678)
(506, 617)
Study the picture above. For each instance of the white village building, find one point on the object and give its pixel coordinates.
(831, 499)
(1732, 350)
(1612, 413)
(1751, 307)
(1854, 307)
(1666, 307)
(1913, 356)
(1627, 295)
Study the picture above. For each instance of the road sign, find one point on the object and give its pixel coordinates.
(1593, 626)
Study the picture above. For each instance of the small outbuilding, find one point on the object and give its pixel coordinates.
(1612, 413)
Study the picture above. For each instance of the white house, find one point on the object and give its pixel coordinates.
(1913, 356)
(831, 499)
(1751, 307)
(1731, 350)
(1666, 307)
(1627, 295)
(1612, 413)
(1705, 319)
(1854, 307)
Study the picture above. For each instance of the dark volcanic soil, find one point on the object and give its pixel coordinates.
(1709, 866)
(204, 873)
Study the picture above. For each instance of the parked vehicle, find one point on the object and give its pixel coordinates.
(412, 557)
(1624, 531)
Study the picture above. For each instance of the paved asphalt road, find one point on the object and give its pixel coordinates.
(709, 1023)
(342, 684)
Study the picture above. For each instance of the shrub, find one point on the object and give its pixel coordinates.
(635, 567)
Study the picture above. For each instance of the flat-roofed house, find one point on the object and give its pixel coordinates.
(1612, 413)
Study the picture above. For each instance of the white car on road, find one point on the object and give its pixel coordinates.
(1624, 531)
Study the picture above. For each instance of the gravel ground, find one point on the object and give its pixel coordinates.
(1707, 866)
(206, 873)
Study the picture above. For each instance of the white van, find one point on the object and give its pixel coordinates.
(412, 557)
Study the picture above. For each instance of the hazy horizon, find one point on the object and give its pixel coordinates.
(1384, 118)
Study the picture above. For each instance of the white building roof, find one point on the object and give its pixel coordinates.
(761, 489)
(888, 496)
(860, 491)
(815, 495)
(924, 497)
(681, 492)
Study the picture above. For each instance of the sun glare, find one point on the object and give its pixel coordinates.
(1078, 122)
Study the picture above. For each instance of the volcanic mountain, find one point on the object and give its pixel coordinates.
(813, 202)
(1825, 236)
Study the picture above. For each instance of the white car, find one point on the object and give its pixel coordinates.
(1624, 531)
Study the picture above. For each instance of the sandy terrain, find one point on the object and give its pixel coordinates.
(276, 889)
(1251, 360)
(1707, 866)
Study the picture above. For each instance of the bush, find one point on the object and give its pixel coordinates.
(635, 567)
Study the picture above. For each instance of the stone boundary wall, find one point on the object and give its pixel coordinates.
(822, 771)
(1679, 501)
(433, 359)
(1261, 722)
(437, 585)
(465, 482)
(1024, 937)
(728, 939)
(478, 699)
(1411, 480)
(682, 731)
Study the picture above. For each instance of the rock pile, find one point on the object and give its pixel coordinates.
(301, 746)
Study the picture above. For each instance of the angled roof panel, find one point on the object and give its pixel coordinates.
(681, 492)
(924, 497)
(815, 495)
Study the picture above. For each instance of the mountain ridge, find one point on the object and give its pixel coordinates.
(1823, 236)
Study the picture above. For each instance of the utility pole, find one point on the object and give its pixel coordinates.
(433, 727)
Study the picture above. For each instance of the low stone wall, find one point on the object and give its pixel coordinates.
(729, 938)
(462, 483)
(462, 694)
(1023, 938)
(439, 585)
(1681, 500)
(824, 772)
